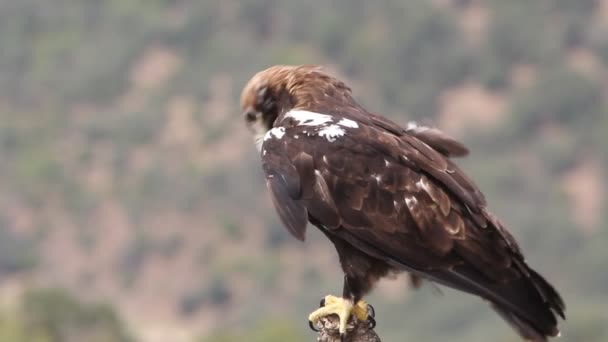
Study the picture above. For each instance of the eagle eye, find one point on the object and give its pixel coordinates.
(261, 94)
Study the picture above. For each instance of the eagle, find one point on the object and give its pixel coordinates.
(390, 198)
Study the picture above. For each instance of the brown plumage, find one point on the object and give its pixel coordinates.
(389, 198)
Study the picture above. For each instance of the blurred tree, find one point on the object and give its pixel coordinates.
(81, 147)
(268, 331)
(17, 253)
(55, 316)
(561, 96)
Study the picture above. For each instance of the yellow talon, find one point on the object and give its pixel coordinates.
(342, 307)
(361, 310)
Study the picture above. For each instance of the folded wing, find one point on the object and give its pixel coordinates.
(396, 195)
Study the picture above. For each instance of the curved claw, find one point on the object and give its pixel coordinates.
(371, 311)
(313, 327)
(372, 322)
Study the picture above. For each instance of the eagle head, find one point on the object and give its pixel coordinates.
(268, 94)
(272, 92)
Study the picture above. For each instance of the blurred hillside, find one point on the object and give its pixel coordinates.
(128, 177)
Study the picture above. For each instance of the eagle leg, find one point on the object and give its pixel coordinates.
(349, 305)
(344, 308)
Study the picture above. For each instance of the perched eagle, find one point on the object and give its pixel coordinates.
(389, 198)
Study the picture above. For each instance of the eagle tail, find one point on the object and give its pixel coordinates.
(533, 314)
(525, 329)
(529, 304)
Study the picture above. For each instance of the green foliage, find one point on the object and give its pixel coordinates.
(560, 96)
(517, 35)
(55, 316)
(268, 331)
(413, 54)
(219, 293)
(17, 253)
(137, 252)
(214, 293)
(192, 301)
(232, 229)
(70, 112)
(134, 258)
(276, 235)
(12, 329)
(574, 17)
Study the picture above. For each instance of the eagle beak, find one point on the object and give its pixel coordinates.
(251, 117)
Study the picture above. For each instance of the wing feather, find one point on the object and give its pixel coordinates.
(292, 213)
(323, 206)
(397, 197)
(439, 141)
(303, 164)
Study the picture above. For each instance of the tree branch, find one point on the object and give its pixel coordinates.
(356, 331)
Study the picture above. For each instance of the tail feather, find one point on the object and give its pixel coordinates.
(529, 304)
(526, 330)
(548, 293)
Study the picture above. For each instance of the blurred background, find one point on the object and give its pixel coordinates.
(133, 207)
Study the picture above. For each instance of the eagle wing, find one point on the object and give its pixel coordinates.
(397, 196)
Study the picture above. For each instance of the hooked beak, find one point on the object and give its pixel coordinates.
(251, 116)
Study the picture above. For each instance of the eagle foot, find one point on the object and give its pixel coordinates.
(344, 308)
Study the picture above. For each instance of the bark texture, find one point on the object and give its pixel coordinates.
(356, 331)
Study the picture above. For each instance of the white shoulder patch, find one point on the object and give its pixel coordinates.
(413, 126)
(306, 118)
(322, 125)
(332, 132)
(277, 132)
(348, 123)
